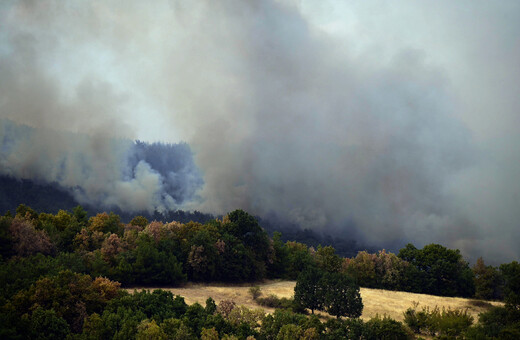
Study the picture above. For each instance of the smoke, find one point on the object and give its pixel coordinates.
(389, 122)
(102, 172)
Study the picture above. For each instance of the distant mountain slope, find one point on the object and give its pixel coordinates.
(51, 198)
(41, 197)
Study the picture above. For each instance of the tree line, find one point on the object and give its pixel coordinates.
(40, 253)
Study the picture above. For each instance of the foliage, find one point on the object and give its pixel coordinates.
(242, 315)
(381, 270)
(298, 258)
(71, 296)
(20, 272)
(225, 307)
(487, 281)
(335, 293)
(6, 248)
(46, 324)
(385, 329)
(327, 260)
(272, 301)
(437, 270)
(511, 274)
(255, 292)
(341, 295)
(496, 323)
(272, 323)
(308, 291)
(57, 275)
(344, 329)
(149, 330)
(27, 240)
(445, 322)
(140, 221)
(211, 307)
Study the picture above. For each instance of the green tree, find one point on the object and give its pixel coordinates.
(487, 281)
(385, 328)
(6, 248)
(81, 215)
(341, 295)
(511, 274)
(327, 259)
(46, 324)
(149, 330)
(71, 295)
(234, 262)
(298, 258)
(308, 291)
(209, 334)
(246, 228)
(289, 332)
(203, 257)
(272, 323)
(139, 221)
(26, 212)
(439, 271)
(106, 223)
(277, 267)
(151, 266)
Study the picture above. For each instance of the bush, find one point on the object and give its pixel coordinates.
(454, 322)
(416, 321)
(385, 328)
(451, 323)
(255, 292)
(272, 323)
(272, 301)
(344, 329)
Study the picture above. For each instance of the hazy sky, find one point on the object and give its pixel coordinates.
(394, 121)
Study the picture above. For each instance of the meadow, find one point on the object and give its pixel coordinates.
(375, 301)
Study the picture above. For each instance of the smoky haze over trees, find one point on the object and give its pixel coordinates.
(115, 173)
(390, 123)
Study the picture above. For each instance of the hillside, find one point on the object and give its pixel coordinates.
(375, 301)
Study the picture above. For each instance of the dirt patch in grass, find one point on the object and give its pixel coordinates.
(375, 301)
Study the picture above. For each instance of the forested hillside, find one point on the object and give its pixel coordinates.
(51, 198)
(61, 274)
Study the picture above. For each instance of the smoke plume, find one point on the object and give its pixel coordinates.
(392, 122)
(102, 173)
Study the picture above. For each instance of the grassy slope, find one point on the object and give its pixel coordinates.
(375, 301)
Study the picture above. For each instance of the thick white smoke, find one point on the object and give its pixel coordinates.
(394, 121)
(100, 171)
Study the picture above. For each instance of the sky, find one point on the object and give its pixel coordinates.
(388, 121)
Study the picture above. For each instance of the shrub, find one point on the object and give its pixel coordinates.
(149, 330)
(454, 322)
(211, 307)
(448, 322)
(290, 332)
(385, 328)
(47, 324)
(272, 301)
(242, 314)
(344, 329)
(209, 334)
(255, 292)
(225, 307)
(272, 323)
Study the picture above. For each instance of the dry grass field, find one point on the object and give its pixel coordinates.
(375, 301)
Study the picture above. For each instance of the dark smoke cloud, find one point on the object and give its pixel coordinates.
(393, 122)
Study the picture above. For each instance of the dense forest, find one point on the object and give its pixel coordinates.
(61, 276)
(51, 198)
